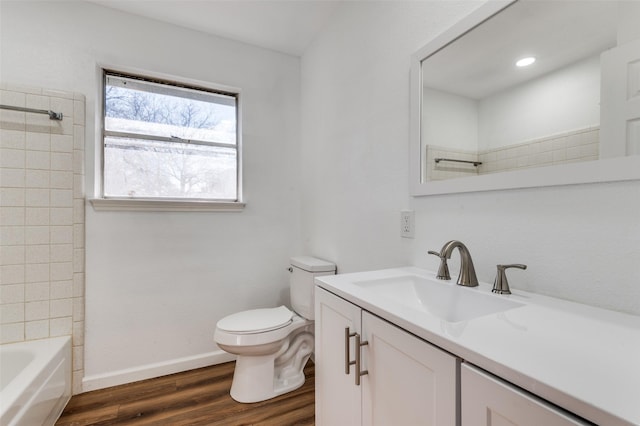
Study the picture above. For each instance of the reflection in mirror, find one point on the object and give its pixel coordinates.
(577, 100)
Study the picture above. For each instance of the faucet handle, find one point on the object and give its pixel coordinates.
(513, 265)
(443, 269)
(501, 285)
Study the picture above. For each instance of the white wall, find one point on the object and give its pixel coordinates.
(562, 101)
(158, 282)
(581, 242)
(628, 14)
(565, 100)
(355, 122)
(449, 120)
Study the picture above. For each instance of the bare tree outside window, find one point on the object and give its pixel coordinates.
(165, 141)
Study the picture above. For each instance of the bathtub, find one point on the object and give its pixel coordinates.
(35, 381)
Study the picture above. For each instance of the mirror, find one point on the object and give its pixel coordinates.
(479, 122)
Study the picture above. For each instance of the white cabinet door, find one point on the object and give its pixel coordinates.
(620, 101)
(409, 381)
(488, 401)
(338, 400)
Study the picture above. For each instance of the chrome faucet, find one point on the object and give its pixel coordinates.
(467, 276)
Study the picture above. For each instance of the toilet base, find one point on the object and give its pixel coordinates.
(258, 378)
(251, 384)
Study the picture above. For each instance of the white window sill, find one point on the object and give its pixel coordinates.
(125, 204)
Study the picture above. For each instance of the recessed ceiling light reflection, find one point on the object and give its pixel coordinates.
(525, 62)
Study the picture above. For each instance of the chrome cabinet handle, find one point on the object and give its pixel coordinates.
(359, 346)
(347, 358)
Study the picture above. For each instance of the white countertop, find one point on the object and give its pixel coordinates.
(581, 358)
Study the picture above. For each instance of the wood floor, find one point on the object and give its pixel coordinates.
(196, 397)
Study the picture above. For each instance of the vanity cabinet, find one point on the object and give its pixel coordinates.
(523, 359)
(405, 380)
(338, 400)
(489, 401)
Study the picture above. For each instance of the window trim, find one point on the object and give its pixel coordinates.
(106, 203)
(164, 205)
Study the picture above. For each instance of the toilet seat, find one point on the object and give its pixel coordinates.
(256, 320)
(239, 340)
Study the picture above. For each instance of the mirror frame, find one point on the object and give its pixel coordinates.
(603, 170)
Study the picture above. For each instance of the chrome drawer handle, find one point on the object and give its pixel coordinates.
(347, 361)
(359, 346)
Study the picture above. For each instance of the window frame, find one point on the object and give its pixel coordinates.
(102, 202)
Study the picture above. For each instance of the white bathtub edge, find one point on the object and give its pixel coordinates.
(44, 381)
(148, 371)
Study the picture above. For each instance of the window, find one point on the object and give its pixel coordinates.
(165, 141)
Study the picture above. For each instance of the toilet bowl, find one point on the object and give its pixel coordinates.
(273, 345)
(270, 361)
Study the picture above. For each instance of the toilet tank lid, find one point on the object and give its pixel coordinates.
(312, 264)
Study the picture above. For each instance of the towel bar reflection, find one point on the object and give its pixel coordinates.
(475, 163)
(52, 114)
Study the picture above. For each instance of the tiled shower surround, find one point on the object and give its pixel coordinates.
(42, 219)
(569, 147)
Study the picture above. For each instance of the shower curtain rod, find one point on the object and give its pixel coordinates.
(52, 115)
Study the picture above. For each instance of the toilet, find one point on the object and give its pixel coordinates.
(273, 345)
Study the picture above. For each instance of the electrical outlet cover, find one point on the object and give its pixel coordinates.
(406, 223)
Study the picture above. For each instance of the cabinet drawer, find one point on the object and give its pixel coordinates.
(489, 401)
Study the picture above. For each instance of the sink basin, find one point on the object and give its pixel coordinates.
(447, 301)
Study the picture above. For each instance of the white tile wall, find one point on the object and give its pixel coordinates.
(574, 146)
(446, 169)
(42, 219)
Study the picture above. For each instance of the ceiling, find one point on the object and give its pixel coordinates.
(557, 33)
(288, 26)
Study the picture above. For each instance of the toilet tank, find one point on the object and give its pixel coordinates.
(301, 286)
